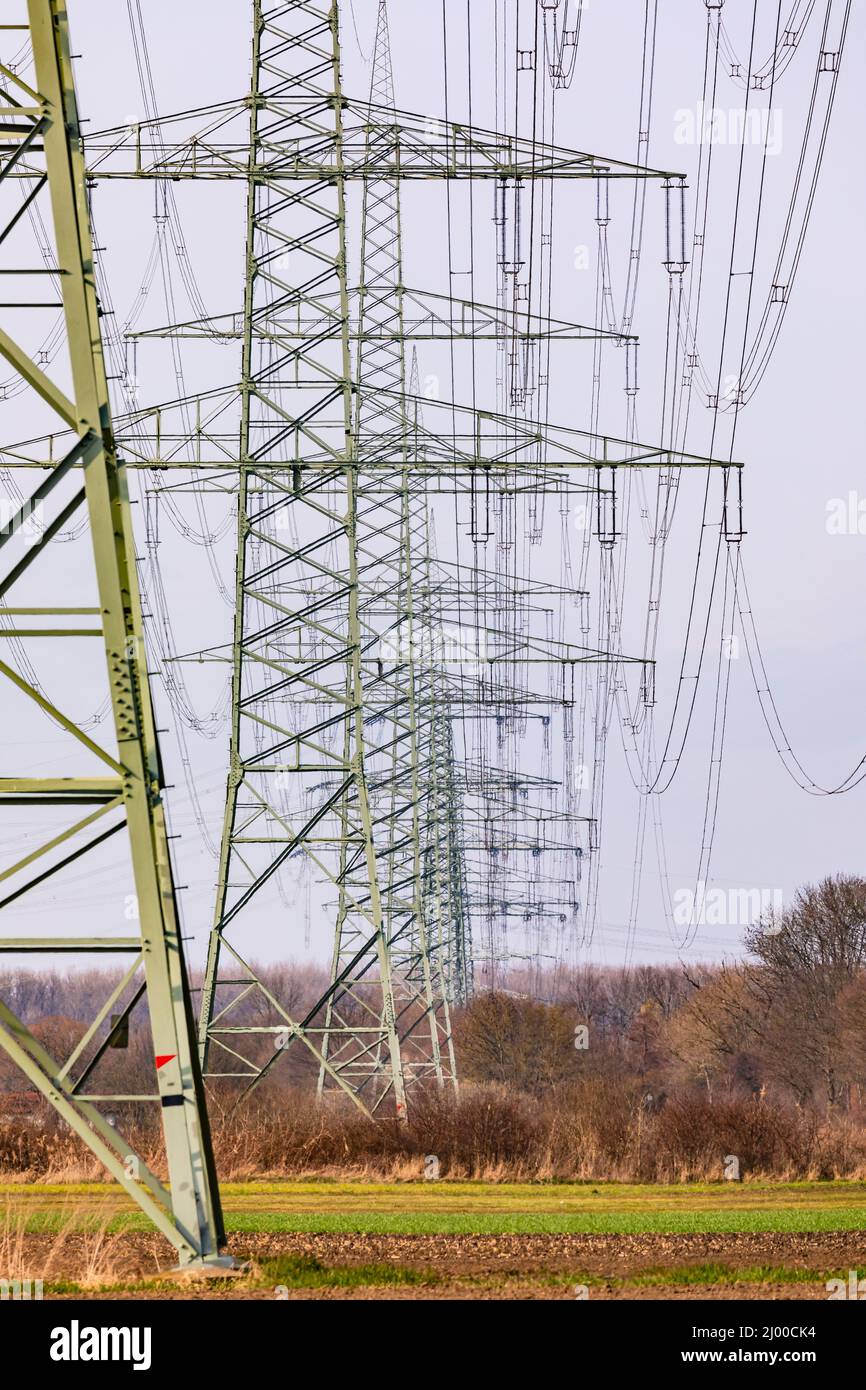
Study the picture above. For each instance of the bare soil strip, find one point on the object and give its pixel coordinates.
(466, 1267)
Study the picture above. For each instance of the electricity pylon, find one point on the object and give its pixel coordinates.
(444, 856)
(393, 543)
(301, 660)
(310, 772)
(41, 153)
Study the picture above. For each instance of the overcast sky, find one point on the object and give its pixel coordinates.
(798, 436)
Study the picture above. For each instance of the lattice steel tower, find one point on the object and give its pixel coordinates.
(95, 603)
(302, 649)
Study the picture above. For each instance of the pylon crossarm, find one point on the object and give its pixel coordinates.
(427, 317)
(470, 436)
(378, 143)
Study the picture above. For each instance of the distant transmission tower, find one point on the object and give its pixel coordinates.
(398, 751)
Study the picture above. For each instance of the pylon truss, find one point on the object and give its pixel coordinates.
(116, 794)
(377, 142)
(427, 317)
(473, 440)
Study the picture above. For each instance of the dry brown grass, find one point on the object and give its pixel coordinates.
(97, 1256)
(593, 1130)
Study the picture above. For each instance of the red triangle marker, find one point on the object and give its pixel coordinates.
(161, 1061)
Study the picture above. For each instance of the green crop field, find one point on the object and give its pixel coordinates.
(456, 1239)
(472, 1208)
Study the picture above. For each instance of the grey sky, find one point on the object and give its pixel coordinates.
(798, 437)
